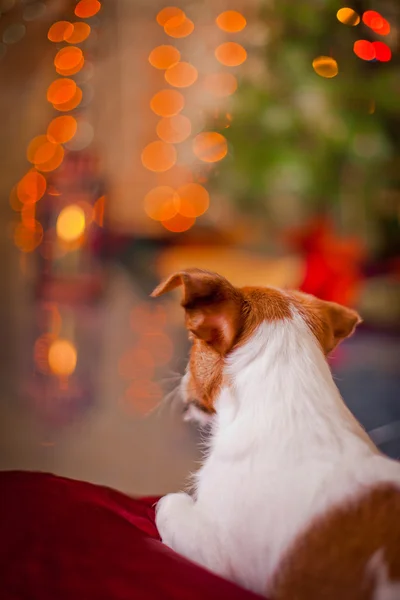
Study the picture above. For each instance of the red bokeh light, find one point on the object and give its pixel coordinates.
(364, 50)
(382, 51)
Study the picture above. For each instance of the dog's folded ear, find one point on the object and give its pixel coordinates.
(212, 306)
(342, 321)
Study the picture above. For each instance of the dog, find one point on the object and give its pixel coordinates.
(293, 500)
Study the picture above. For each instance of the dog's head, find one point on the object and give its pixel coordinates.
(221, 317)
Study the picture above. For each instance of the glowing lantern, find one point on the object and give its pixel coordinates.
(167, 103)
(194, 200)
(174, 130)
(71, 223)
(160, 203)
(210, 146)
(364, 50)
(348, 16)
(164, 57)
(87, 8)
(182, 74)
(325, 66)
(230, 54)
(231, 21)
(62, 357)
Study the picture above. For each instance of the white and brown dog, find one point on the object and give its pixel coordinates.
(293, 500)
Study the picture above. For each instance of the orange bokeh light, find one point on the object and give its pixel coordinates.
(170, 12)
(62, 129)
(164, 57)
(220, 84)
(34, 146)
(59, 31)
(178, 29)
(167, 103)
(179, 223)
(41, 352)
(210, 146)
(79, 34)
(230, 54)
(183, 74)
(137, 363)
(61, 90)
(73, 71)
(193, 200)
(98, 211)
(376, 22)
(158, 156)
(62, 357)
(174, 130)
(71, 103)
(45, 153)
(68, 58)
(231, 21)
(27, 239)
(364, 50)
(87, 8)
(160, 203)
(54, 162)
(31, 187)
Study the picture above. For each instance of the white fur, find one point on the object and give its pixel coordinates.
(384, 588)
(284, 448)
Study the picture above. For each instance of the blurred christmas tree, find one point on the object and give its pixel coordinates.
(304, 144)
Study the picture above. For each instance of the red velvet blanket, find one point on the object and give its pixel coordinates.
(68, 540)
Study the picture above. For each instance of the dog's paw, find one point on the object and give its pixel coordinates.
(170, 511)
(193, 414)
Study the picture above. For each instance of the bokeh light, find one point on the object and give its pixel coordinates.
(170, 12)
(178, 223)
(158, 156)
(182, 74)
(348, 16)
(87, 8)
(71, 223)
(60, 31)
(80, 33)
(62, 357)
(376, 22)
(68, 58)
(62, 129)
(34, 145)
(61, 91)
(41, 352)
(160, 203)
(136, 363)
(54, 161)
(364, 50)
(71, 103)
(382, 51)
(230, 54)
(174, 130)
(44, 153)
(28, 216)
(231, 21)
(220, 84)
(210, 146)
(164, 57)
(28, 238)
(73, 70)
(98, 211)
(325, 66)
(83, 137)
(167, 103)
(193, 200)
(146, 320)
(178, 29)
(159, 345)
(31, 187)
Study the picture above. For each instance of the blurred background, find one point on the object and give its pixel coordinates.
(256, 138)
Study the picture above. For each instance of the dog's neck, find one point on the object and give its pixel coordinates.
(280, 393)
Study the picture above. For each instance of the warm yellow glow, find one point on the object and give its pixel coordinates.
(348, 16)
(62, 129)
(325, 66)
(167, 103)
(181, 75)
(210, 146)
(164, 57)
(71, 223)
(62, 357)
(174, 130)
(231, 21)
(230, 54)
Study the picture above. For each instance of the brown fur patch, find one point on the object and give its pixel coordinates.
(329, 561)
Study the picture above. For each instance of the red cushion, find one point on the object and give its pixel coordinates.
(69, 540)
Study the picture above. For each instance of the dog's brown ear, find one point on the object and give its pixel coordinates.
(342, 321)
(212, 306)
